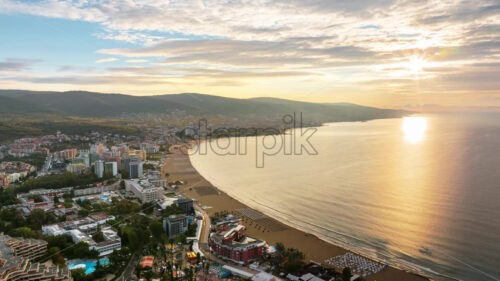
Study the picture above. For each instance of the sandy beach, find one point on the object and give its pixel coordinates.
(258, 225)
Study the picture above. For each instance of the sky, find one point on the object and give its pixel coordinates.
(417, 54)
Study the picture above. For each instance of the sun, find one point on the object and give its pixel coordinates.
(416, 64)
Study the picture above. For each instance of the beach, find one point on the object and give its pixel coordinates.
(258, 225)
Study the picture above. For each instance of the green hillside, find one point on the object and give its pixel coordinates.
(88, 104)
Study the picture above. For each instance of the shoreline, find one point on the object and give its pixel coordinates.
(317, 249)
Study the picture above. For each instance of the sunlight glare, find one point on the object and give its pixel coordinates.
(416, 64)
(414, 128)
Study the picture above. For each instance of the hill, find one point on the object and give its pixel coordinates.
(99, 105)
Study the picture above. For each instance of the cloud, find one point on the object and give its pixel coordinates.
(292, 53)
(106, 60)
(136, 61)
(365, 46)
(17, 64)
(461, 11)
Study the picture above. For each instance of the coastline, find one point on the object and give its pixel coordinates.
(179, 167)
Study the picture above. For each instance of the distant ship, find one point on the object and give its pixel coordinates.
(425, 250)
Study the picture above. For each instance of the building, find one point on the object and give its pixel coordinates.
(155, 178)
(229, 242)
(144, 190)
(133, 166)
(67, 154)
(99, 188)
(111, 242)
(94, 157)
(83, 158)
(97, 148)
(111, 168)
(48, 192)
(149, 148)
(45, 203)
(136, 153)
(175, 225)
(76, 168)
(14, 171)
(82, 230)
(135, 170)
(185, 204)
(28, 248)
(4, 181)
(23, 150)
(99, 168)
(120, 150)
(264, 276)
(229, 219)
(87, 225)
(15, 261)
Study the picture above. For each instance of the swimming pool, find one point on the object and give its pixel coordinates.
(89, 265)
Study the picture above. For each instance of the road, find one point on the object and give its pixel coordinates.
(46, 166)
(129, 269)
(205, 230)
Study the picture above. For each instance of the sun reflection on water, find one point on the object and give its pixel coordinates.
(414, 129)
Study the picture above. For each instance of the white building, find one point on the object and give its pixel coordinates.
(144, 190)
(83, 229)
(99, 168)
(111, 242)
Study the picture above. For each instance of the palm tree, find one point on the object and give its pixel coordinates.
(346, 274)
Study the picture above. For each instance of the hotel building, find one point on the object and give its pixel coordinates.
(229, 242)
(175, 225)
(15, 261)
(82, 230)
(144, 190)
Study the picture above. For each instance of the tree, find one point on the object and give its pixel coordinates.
(148, 207)
(58, 181)
(81, 250)
(280, 248)
(100, 270)
(57, 258)
(171, 210)
(24, 232)
(147, 166)
(79, 274)
(83, 213)
(156, 228)
(148, 274)
(36, 198)
(122, 184)
(98, 237)
(346, 274)
(138, 269)
(39, 217)
(7, 196)
(290, 260)
(130, 237)
(125, 174)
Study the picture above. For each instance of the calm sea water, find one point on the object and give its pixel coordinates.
(421, 193)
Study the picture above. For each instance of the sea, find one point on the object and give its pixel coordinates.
(421, 193)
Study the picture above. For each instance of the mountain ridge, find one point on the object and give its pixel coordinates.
(105, 105)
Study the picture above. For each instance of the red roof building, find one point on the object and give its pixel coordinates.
(229, 242)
